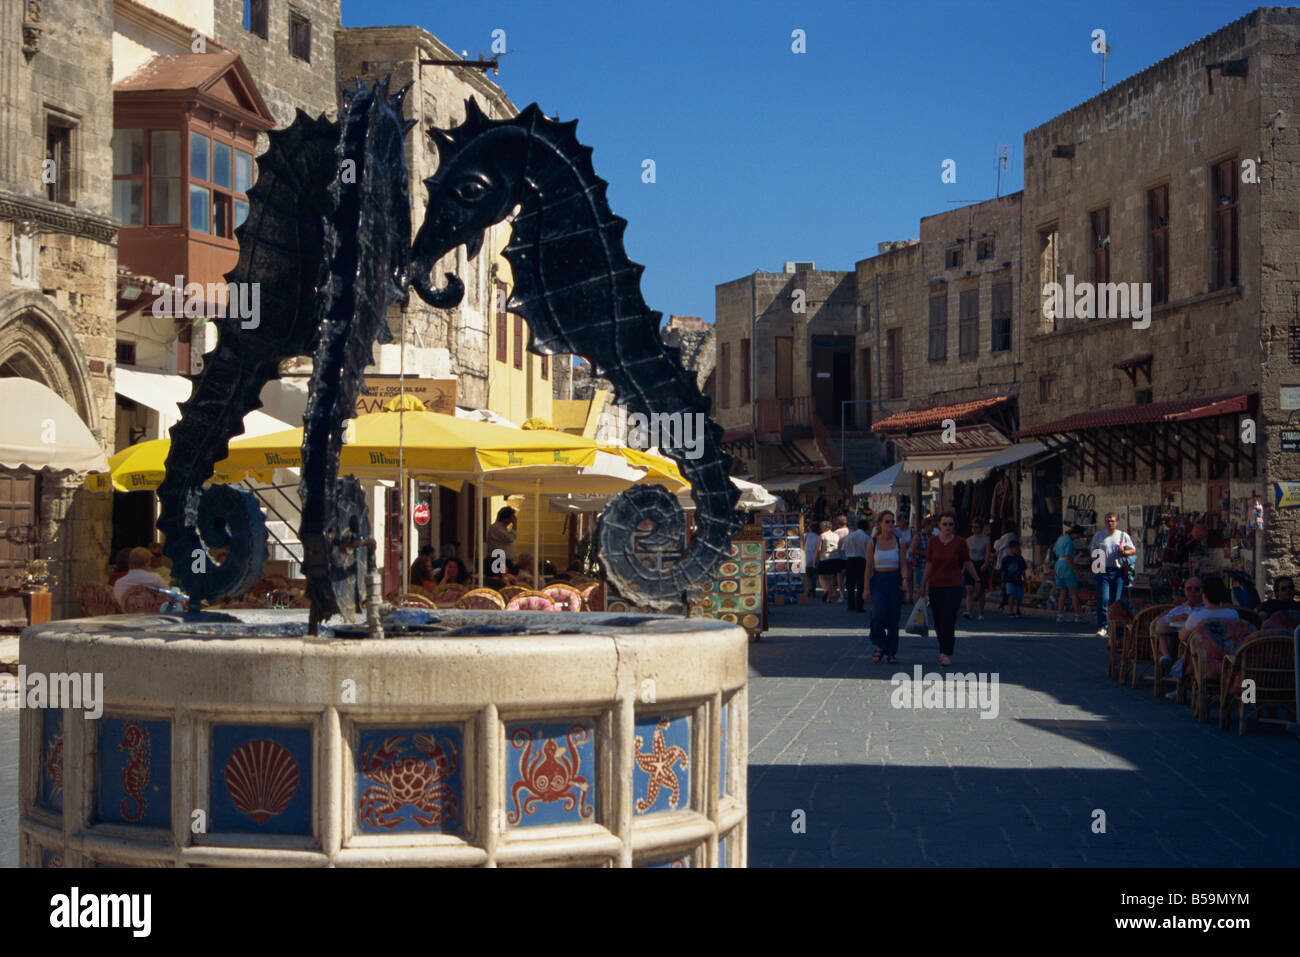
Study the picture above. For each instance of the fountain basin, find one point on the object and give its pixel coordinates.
(470, 738)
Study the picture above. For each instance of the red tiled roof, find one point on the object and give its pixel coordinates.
(1175, 410)
(921, 418)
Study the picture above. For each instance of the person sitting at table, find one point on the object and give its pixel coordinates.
(121, 566)
(1283, 597)
(452, 573)
(1193, 591)
(139, 574)
(524, 572)
(159, 560)
(422, 567)
(1216, 597)
(449, 549)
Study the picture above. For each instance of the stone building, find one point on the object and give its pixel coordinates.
(784, 372)
(1165, 211)
(57, 293)
(698, 345)
(949, 337)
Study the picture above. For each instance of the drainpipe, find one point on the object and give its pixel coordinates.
(753, 366)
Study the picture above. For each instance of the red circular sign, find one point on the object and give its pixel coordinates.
(422, 514)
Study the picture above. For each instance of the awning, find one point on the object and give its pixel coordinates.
(1174, 410)
(41, 431)
(792, 482)
(929, 418)
(1008, 456)
(892, 480)
(944, 462)
(164, 393)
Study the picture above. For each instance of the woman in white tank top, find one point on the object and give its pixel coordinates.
(883, 586)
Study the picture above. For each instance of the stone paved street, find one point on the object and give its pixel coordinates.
(881, 786)
(8, 788)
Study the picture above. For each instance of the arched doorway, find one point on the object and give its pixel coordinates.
(53, 516)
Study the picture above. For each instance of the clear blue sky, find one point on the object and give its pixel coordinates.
(763, 155)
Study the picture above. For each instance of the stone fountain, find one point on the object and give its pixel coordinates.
(355, 734)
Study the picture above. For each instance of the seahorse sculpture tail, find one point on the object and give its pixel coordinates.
(580, 293)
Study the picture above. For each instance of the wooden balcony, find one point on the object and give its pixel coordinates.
(782, 420)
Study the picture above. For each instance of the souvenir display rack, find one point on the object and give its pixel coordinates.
(783, 557)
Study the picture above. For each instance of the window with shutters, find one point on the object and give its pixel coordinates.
(501, 322)
(968, 329)
(1001, 317)
(1158, 243)
(894, 355)
(939, 328)
(1049, 253)
(546, 367)
(255, 17)
(744, 372)
(519, 342)
(724, 395)
(1223, 234)
(300, 36)
(1099, 224)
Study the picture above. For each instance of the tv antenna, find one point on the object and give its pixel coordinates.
(1002, 164)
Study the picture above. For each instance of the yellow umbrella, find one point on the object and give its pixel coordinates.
(142, 466)
(433, 444)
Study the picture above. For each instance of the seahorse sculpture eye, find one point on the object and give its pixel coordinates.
(580, 294)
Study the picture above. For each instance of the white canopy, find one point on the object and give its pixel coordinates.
(1008, 456)
(164, 392)
(890, 481)
(753, 497)
(41, 431)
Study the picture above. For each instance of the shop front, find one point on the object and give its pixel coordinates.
(1177, 475)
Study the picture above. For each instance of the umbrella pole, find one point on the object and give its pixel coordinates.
(406, 532)
(481, 532)
(537, 534)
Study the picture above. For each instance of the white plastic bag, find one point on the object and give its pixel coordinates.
(918, 622)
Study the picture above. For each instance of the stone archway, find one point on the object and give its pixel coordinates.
(38, 342)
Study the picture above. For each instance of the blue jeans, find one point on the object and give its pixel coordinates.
(887, 608)
(1110, 586)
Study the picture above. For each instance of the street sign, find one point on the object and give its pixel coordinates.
(422, 514)
(1290, 440)
(1288, 495)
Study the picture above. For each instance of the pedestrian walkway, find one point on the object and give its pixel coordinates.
(884, 786)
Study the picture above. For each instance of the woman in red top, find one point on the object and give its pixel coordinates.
(946, 558)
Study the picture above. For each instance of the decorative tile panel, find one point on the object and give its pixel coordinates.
(550, 773)
(409, 780)
(261, 779)
(134, 772)
(52, 759)
(661, 780)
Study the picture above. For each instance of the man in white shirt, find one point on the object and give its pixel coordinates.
(138, 575)
(1192, 591)
(854, 551)
(1217, 599)
(1114, 545)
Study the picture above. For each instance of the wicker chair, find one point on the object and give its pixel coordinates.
(531, 601)
(1287, 621)
(413, 600)
(484, 598)
(1268, 659)
(1117, 621)
(446, 596)
(1207, 663)
(510, 592)
(593, 595)
(138, 598)
(1148, 636)
(565, 597)
(1135, 644)
(98, 599)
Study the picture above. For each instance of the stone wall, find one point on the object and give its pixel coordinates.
(286, 83)
(58, 289)
(1164, 127)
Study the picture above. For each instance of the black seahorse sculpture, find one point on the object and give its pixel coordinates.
(326, 239)
(580, 294)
